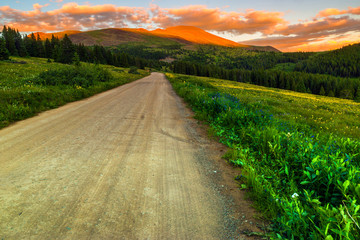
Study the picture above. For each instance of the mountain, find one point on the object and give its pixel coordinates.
(195, 35)
(44, 36)
(114, 36)
(184, 35)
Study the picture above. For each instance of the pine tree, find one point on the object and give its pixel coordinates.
(31, 46)
(322, 91)
(287, 85)
(67, 50)
(57, 53)
(124, 62)
(54, 42)
(76, 60)
(48, 49)
(109, 58)
(331, 93)
(9, 36)
(19, 44)
(300, 87)
(98, 56)
(4, 53)
(40, 46)
(82, 52)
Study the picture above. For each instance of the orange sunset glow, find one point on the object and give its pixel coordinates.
(327, 29)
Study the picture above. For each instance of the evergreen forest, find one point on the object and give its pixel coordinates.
(333, 73)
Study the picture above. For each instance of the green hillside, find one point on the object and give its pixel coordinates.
(343, 62)
(299, 152)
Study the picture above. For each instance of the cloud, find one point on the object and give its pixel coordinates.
(271, 26)
(72, 16)
(329, 23)
(315, 35)
(355, 11)
(331, 12)
(217, 20)
(317, 42)
(334, 11)
(325, 26)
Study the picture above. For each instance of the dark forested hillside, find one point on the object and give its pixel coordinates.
(240, 58)
(344, 62)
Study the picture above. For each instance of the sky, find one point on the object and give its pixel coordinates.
(288, 25)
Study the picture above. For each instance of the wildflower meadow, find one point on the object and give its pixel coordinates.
(299, 153)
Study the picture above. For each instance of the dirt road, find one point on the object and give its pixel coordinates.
(125, 164)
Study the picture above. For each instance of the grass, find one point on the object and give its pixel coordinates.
(301, 169)
(327, 114)
(27, 85)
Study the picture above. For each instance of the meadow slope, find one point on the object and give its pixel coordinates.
(299, 153)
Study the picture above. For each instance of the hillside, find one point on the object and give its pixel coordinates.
(44, 36)
(183, 35)
(195, 35)
(298, 152)
(342, 62)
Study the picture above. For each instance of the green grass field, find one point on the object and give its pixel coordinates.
(299, 153)
(22, 94)
(326, 114)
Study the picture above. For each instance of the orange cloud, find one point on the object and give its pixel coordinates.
(325, 26)
(355, 11)
(316, 42)
(215, 19)
(289, 37)
(328, 24)
(334, 11)
(330, 12)
(72, 16)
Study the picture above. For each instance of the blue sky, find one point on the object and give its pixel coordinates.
(295, 9)
(288, 24)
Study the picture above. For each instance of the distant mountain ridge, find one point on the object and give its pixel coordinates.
(44, 36)
(186, 35)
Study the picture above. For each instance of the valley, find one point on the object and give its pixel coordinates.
(132, 161)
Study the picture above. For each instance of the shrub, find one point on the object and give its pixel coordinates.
(133, 70)
(83, 75)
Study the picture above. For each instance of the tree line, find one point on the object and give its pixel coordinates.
(240, 58)
(343, 62)
(320, 84)
(64, 51)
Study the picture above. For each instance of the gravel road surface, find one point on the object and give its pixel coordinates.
(125, 164)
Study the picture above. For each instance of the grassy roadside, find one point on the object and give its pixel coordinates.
(298, 159)
(27, 85)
